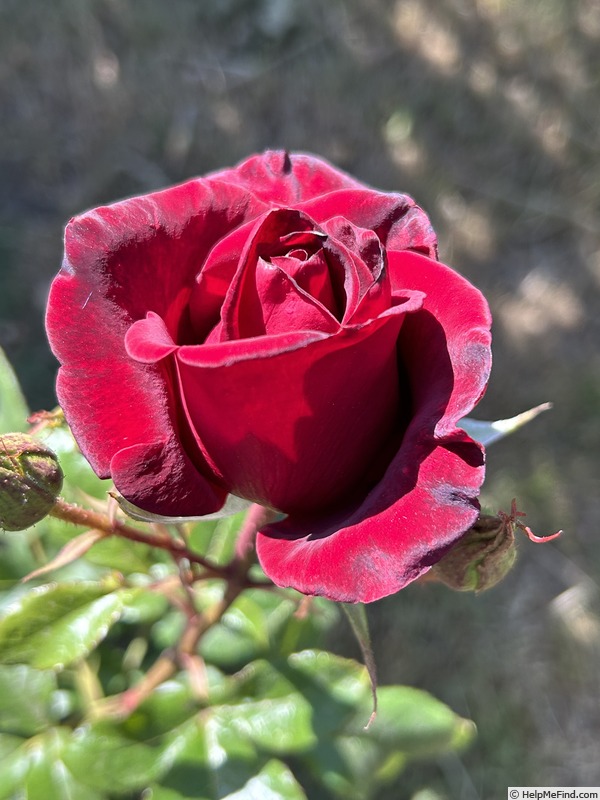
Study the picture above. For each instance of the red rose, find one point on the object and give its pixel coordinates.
(280, 332)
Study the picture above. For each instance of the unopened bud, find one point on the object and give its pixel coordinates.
(480, 559)
(30, 481)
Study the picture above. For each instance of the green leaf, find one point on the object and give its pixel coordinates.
(36, 770)
(366, 767)
(56, 624)
(9, 744)
(247, 630)
(171, 704)
(166, 740)
(416, 723)
(25, 699)
(162, 793)
(264, 623)
(274, 782)
(13, 408)
(105, 760)
(279, 725)
(279, 710)
(145, 606)
(329, 680)
(200, 535)
(221, 546)
(200, 758)
(212, 754)
(48, 777)
(16, 558)
(123, 555)
(349, 760)
(14, 765)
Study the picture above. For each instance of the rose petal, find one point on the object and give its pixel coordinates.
(421, 507)
(458, 323)
(276, 179)
(283, 179)
(360, 257)
(214, 280)
(297, 431)
(427, 497)
(148, 340)
(159, 477)
(285, 306)
(314, 277)
(398, 222)
(224, 354)
(122, 261)
(242, 312)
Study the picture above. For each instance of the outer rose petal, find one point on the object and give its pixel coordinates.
(459, 321)
(427, 497)
(418, 510)
(284, 179)
(120, 262)
(273, 416)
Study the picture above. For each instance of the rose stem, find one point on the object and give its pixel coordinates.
(170, 660)
(69, 512)
(234, 573)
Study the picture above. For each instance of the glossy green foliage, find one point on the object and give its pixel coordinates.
(256, 711)
(304, 713)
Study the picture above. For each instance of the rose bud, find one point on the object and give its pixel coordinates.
(30, 481)
(480, 559)
(282, 333)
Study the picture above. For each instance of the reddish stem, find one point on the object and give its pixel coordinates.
(94, 519)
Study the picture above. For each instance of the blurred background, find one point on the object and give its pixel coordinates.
(488, 113)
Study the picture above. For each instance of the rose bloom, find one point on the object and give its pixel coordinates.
(285, 334)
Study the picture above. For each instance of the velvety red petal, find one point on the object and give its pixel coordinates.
(359, 255)
(242, 312)
(163, 480)
(313, 276)
(427, 497)
(224, 354)
(296, 430)
(285, 306)
(454, 325)
(276, 179)
(120, 262)
(399, 223)
(406, 524)
(144, 253)
(214, 279)
(160, 478)
(281, 178)
(148, 340)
